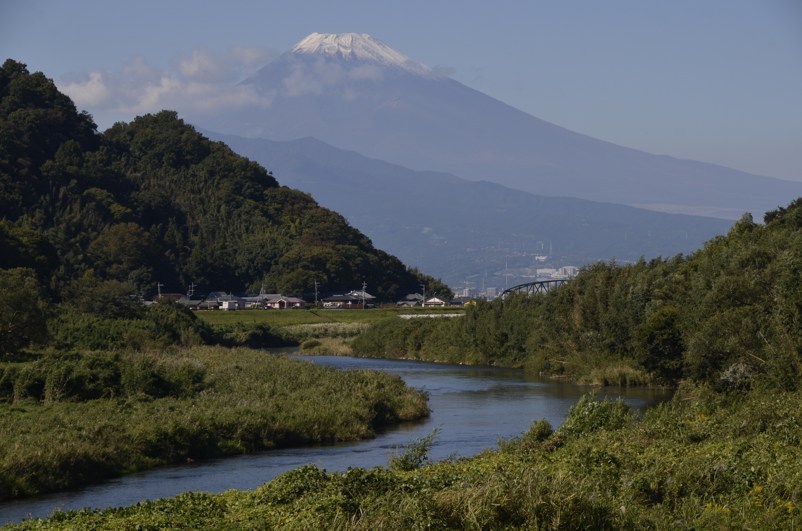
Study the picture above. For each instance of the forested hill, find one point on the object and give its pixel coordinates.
(729, 316)
(155, 201)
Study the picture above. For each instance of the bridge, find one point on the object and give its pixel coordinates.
(531, 288)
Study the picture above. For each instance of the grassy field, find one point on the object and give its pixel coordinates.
(71, 422)
(284, 318)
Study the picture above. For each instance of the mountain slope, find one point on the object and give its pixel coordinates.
(459, 229)
(153, 201)
(329, 87)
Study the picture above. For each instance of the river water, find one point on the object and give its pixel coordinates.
(472, 408)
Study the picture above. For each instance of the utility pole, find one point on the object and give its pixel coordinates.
(423, 302)
(315, 292)
(159, 288)
(364, 287)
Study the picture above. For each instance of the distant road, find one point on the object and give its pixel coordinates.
(432, 315)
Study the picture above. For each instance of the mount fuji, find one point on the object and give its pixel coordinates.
(356, 93)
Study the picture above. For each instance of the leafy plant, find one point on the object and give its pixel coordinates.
(415, 454)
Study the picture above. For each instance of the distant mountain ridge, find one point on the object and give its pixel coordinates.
(349, 91)
(458, 229)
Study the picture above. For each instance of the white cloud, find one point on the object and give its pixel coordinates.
(89, 93)
(199, 83)
(371, 72)
(250, 57)
(312, 78)
(204, 66)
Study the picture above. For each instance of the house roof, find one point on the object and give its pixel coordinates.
(222, 296)
(361, 294)
(342, 298)
(291, 300)
(262, 297)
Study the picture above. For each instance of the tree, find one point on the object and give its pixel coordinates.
(660, 345)
(22, 311)
(122, 250)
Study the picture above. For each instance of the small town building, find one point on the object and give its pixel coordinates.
(411, 300)
(352, 299)
(435, 301)
(283, 302)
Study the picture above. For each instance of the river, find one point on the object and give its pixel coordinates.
(472, 408)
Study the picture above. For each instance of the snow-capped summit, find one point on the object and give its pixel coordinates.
(357, 46)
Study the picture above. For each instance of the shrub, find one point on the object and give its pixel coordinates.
(248, 335)
(415, 455)
(79, 377)
(589, 415)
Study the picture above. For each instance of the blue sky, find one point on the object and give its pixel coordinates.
(715, 80)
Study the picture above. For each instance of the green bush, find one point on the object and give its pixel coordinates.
(415, 455)
(589, 415)
(248, 335)
(160, 325)
(77, 377)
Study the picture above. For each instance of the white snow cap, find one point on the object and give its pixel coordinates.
(358, 46)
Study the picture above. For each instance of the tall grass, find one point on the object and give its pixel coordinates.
(168, 407)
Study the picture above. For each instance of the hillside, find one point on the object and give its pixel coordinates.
(153, 201)
(468, 231)
(727, 316)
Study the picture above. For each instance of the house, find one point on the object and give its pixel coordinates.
(352, 299)
(225, 301)
(208, 304)
(411, 300)
(190, 303)
(261, 301)
(282, 302)
(435, 301)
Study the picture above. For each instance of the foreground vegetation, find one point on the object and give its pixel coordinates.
(71, 419)
(701, 461)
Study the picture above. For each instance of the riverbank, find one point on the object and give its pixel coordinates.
(702, 460)
(417, 334)
(187, 404)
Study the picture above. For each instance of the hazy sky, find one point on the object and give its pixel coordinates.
(712, 80)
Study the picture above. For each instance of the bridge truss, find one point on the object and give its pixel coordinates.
(532, 288)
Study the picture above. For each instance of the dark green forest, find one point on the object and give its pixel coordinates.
(91, 220)
(729, 314)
